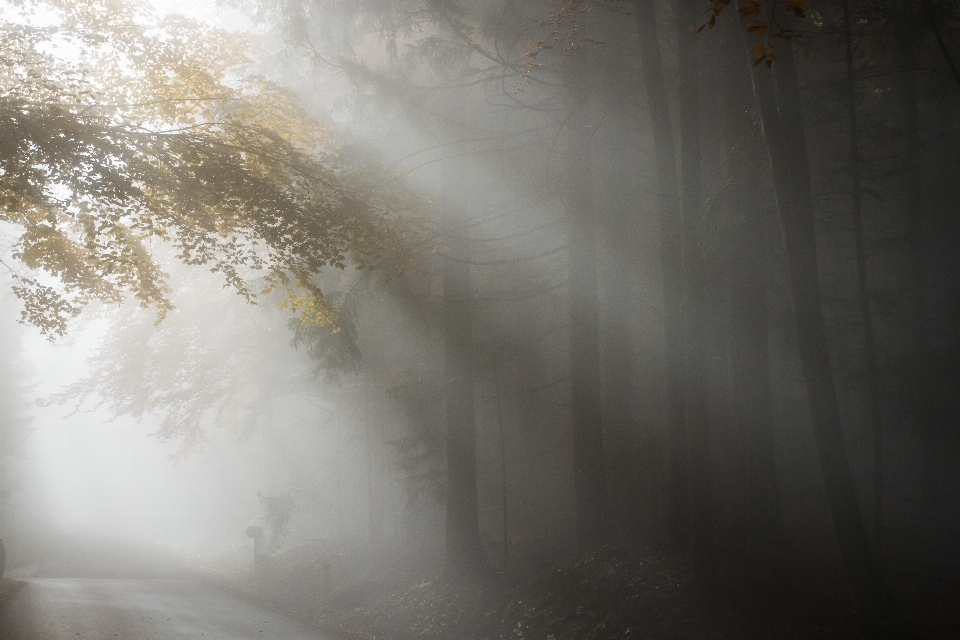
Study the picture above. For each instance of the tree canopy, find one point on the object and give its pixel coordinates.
(118, 130)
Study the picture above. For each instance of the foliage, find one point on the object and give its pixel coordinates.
(211, 361)
(763, 22)
(157, 134)
(645, 596)
(332, 347)
(278, 511)
(420, 456)
(345, 23)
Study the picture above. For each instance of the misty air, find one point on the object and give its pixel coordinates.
(479, 320)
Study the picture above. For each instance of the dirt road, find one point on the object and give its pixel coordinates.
(139, 609)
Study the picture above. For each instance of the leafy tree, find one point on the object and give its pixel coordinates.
(192, 371)
(158, 134)
(278, 511)
(332, 347)
(437, 31)
(420, 454)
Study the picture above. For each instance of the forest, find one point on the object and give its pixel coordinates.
(489, 319)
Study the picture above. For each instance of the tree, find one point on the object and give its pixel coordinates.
(695, 283)
(783, 130)
(464, 557)
(448, 53)
(212, 356)
(748, 266)
(159, 135)
(866, 314)
(668, 191)
(620, 213)
(585, 401)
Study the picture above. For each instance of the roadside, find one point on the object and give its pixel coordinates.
(10, 587)
(649, 595)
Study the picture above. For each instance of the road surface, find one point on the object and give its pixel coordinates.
(139, 609)
(92, 587)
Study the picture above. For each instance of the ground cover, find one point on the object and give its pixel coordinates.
(362, 594)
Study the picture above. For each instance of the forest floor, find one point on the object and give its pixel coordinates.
(359, 596)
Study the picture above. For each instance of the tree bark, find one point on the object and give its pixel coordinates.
(585, 402)
(759, 502)
(677, 523)
(783, 131)
(695, 280)
(375, 525)
(935, 28)
(617, 373)
(914, 204)
(463, 559)
(866, 315)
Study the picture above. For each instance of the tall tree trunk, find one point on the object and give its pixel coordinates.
(463, 553)
(619, 440)
(504, 512)
(784, 133)
(935, 27)
(373, 463)
(585, 404)
(749, 358)
(677, 523)
(694, 299)
(866, 315)
(919, 315)
(914, 204)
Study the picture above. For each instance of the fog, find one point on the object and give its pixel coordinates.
(88, 472)
(393, 316)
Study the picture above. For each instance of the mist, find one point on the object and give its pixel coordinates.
(573, 319)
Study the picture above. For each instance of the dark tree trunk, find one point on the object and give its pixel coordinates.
(914, 203)
(866, 315)
(504, 511)
(617, 373)
(783, 131)
(374, 438)
(677, 523)
(694, 299)
(463, 558)
(932, 19)
(759, 502)
(924, 352)
(585, 403)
